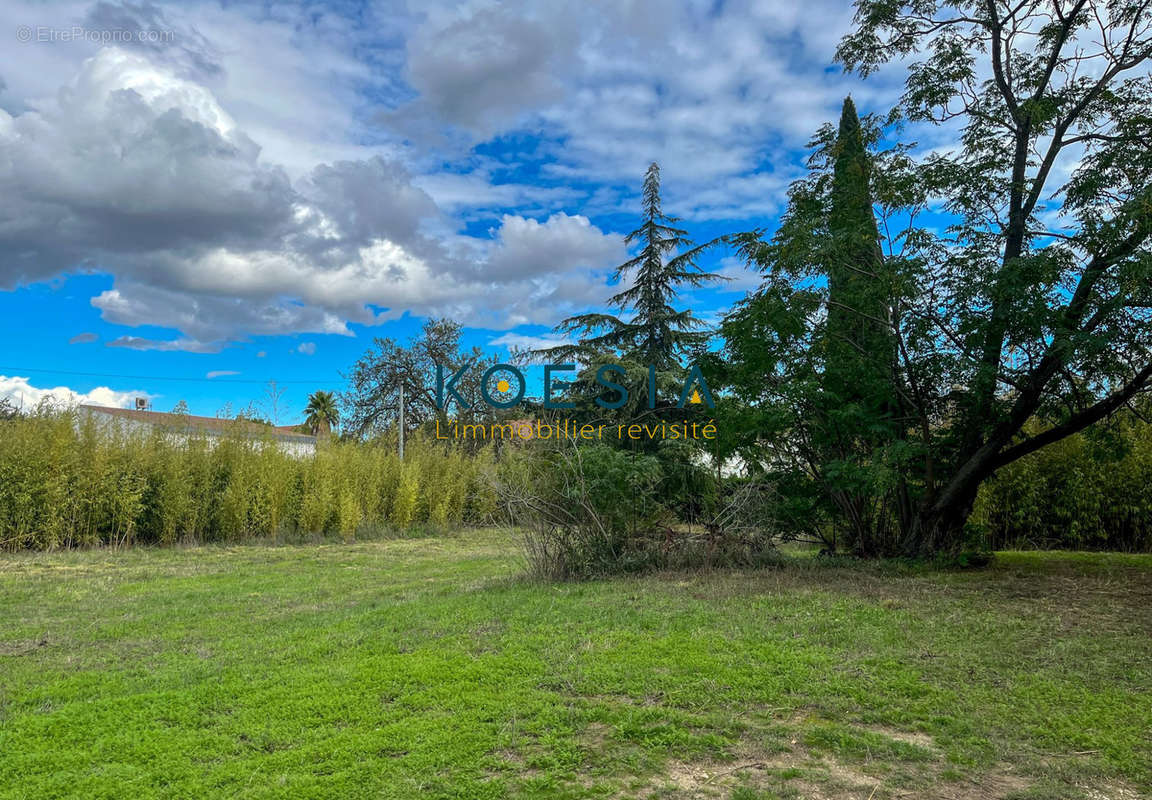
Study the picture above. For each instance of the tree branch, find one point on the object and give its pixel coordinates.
(1076, 422)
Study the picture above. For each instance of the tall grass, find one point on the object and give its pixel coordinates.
(66, 480)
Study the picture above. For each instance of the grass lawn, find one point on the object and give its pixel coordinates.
(428, 668)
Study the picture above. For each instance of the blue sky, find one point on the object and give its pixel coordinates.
(235, 193)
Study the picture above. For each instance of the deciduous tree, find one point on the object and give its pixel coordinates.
(371, 402)
(1024, 233)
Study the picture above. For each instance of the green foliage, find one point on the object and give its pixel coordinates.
(1018, 254)
(861, 348)
(810, 360)
(582, 508)
(66, 480)
(857, 412)
(850, 744)
(658, 333)
(1088, 491)
(321, 413)
(596, 509)
(407, 496)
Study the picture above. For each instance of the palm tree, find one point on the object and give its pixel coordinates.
(321, 413)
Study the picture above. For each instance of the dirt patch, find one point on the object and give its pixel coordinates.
(992, 786)
(798, 772)
(1111, 791)
(595, 735)
(796, 769)
(692, 780)
(908, 737)
(511, 761)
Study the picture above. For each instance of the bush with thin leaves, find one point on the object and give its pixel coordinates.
(593, 510)
(1086, 492)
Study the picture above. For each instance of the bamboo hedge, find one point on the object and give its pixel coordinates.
(67, 480)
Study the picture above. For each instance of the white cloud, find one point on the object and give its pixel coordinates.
(178, 345)
(239, 183)
(714, 92)
(126, 161)
(471, 194)
(562, 243)
(140, 172)
(307, 348)
(479, 66)
(23, 394)
(741, 277)
(519, 341)
(290, 77)
(220, 373)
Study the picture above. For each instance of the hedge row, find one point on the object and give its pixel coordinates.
(66, 481)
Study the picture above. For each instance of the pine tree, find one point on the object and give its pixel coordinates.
(858, 416)
(657, 332)
(821, 388)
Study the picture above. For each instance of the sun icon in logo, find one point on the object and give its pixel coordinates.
(502, 385)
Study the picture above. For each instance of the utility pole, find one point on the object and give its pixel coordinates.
(401, 426)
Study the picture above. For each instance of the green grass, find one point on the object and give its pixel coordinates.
(428, 668)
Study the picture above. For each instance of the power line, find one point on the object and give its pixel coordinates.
(313, 381)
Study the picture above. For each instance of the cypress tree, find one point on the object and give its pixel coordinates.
(860, 345)
(858, 413)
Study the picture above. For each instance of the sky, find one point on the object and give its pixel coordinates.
(199, 198)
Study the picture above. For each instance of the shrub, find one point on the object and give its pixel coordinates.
(1089, 491)
(595, 509)
(407, 496)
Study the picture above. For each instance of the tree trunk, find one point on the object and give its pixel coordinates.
(939, 528)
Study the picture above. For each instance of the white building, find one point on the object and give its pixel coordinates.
(286, 437)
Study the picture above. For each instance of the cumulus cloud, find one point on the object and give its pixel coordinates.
(366, 200)
(307, 348)
(128, 160)
(717, 91)
(476, 67)
(235, 191)
(140, 172)
(208, 314)
(562, 243)
(182, 47)
(18, 391)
